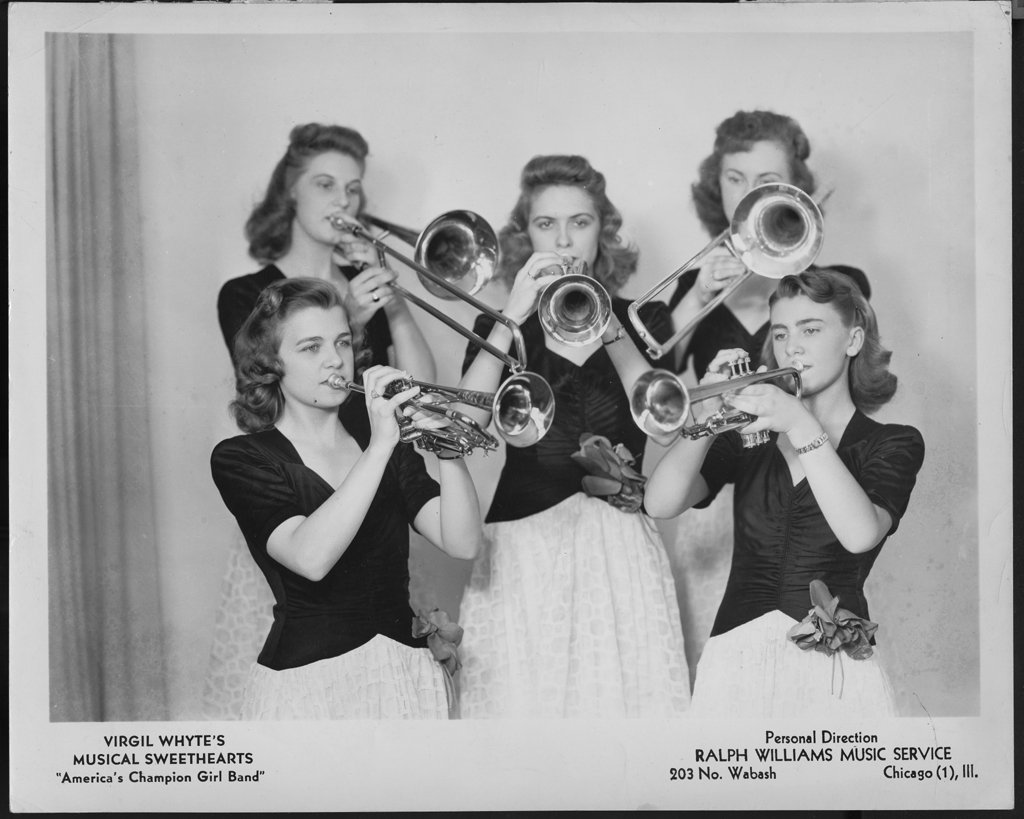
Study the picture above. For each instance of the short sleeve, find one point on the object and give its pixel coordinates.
(378, 337)
(683, 286)
(415, 484)
(482, 327)
(254, 488)
(889, 470)
(234, 304)
(721, 464)
(657, 318)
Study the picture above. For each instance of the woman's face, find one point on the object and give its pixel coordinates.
(315, 344)
(331, 183)
(813, 335)
(741, 172)
(563, 220)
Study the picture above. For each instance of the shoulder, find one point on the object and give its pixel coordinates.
(256, 447)
(250, 284)
(888, 438)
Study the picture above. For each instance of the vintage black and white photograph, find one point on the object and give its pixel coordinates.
(510, 406)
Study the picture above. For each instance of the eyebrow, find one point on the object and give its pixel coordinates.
(799, 323)
(574, 216)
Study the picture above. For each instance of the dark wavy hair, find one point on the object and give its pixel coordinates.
(615, 261)
(737, 134)
(259, 400)
(871, 383)
(269, 228)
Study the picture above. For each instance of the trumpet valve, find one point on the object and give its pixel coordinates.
(754, 439)
(741, 366)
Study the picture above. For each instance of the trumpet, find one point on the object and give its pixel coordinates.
(461, 438)
(775, 231)
(575, 309)
(523, 410)
(458, 243)
(660, 403)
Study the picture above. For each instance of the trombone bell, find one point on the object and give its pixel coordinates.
(776, 230)
(461, 248)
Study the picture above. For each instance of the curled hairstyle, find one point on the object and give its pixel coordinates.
(269, 228)
(738, 134)
(259, 400)
(615, 261)
(871, 383)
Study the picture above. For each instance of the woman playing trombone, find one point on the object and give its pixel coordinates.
(815, 505)
(293, 232)
(325, 506)
(752, 148)
(571, 610)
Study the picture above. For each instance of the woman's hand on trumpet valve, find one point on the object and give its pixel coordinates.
(530, 282)
(718, 371)
(385, 431)
(776, 410)
(715, 274)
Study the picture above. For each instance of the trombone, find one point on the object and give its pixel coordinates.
(460, 243)
(775, 231)
(660, 403)
(574, 309)
(461, 438)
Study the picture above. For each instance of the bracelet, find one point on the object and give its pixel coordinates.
(619, 335)
(813, 444)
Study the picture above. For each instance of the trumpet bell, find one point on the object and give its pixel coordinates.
(461, 248)
(575, 310)
(659, 403)
(524, 409)
(776, 230)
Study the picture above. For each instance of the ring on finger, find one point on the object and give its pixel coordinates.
(376, 297)
(374, 394)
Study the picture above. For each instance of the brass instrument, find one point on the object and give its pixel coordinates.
(776, 231)
(458, 246)
(461, 438)
(574, 309)
(660, 402)
(524, 404)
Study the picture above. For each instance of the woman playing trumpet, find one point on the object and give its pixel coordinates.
(815, 504)
(571, 610)
(292, 233)
(325, 507)
(751, 148)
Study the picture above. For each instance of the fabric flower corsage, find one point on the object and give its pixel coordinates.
(443, 638)
(832, 630)
(610, 475)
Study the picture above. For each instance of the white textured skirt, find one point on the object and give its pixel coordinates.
(755, 671)
(244, 617)
(382, 679)
(572, 612)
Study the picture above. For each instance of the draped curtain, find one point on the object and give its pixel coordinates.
(106, 645)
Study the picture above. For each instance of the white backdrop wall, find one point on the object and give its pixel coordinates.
(451, 119)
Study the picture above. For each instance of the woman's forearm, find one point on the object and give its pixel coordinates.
(311, 546)
(853, 517)
(676, 483)
(484, 374)
(412, 353)
(461, 523)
